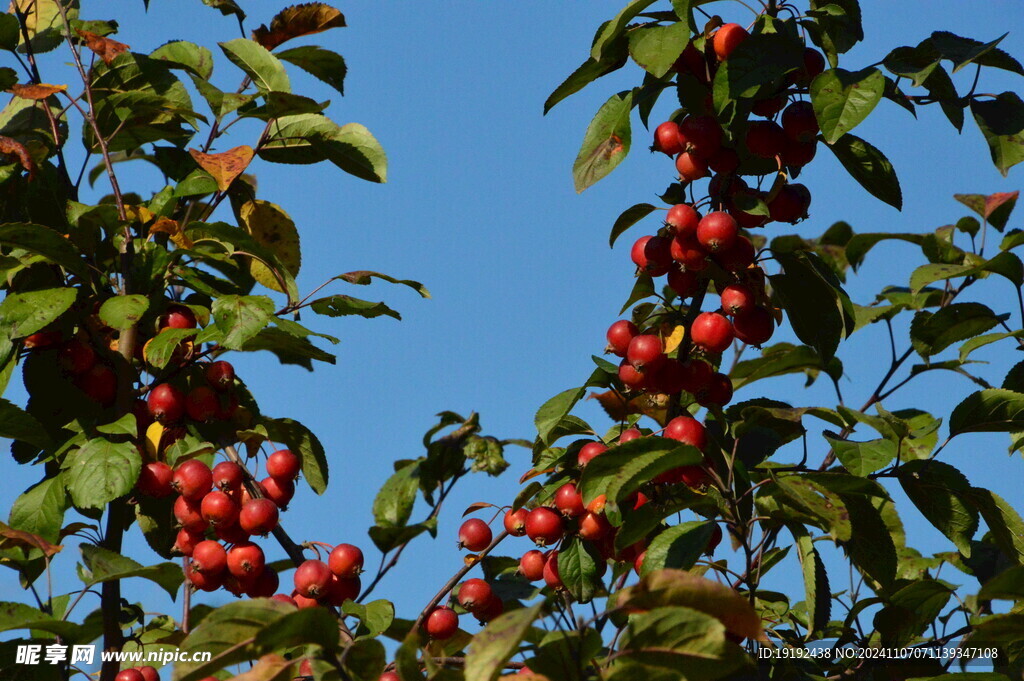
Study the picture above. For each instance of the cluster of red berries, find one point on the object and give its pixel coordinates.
(139, 674)
(218, 517)
(327, 583)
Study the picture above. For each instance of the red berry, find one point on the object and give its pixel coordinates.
(551, 576)
(765, 139)
(312, 578)
(531, 565)
(630, 434)
(149, 673)
(166, 403)
(682, 219)
(666, 139)
(684, 282)
(283, 465)
(189, 515)
(231, 534)
(715, 540)
(258, 516)
(594, 526)
(389, 676)
(186, 542)
(737, 257)
(343, 589)
(155, 480)
(651, 254)
(77, 357)
(220, 375)
(692, 61)
(690, 167)
(701, 135)
(346, 561)
(474, 594)
(718, 392)
(209, 557)
(265, 584)
(192, 479)
(687, 430)
(475, 535)
(204, 582)
(638, 564)
(589, 451)
(227, 405)
(754, 327)
(515, 522)
(491, 609)
(799, 122)
(712, 332)
(201, 404)
(99, 384)
(178, 317)
(630, 377)
(744, 219)
(544, 526)
(689, 253)
(442, 623)
(770, 106)
(814, 64)
(799, 154)
(737, 298)
(228, 476)
(284, 598)
(727, 38)
(130, 675)
(717, 231)
(42, 339)
(619, 336)
(696, 375)
(790, 203)
(569, 501)
(301, 602)
(644, 350)
(694, 477)
(279, 491)
(219, 509)
(246, 560)
(725, 161)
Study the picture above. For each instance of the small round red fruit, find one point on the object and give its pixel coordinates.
(799, 122)
(279, 491)
(682, 219)
(77, 357)
(651, 254)
(149, 673)
(346, 561)
(228, 476)
(714, 541)
(166, 403)
(630, 377)
(220, 375)
(689, 253)
(178, 317)
(765, 139)
(284, 598)
(515, 522)
(701, 135)
(186, 541)
(737, 257)
(569, 501)
(265, 584)
(531, 565)
(712, 332)
(619, 336)
(695, 375)
(643, 350)
(717, 393)
(717, 231)
(209, 557)
(754, 327)
(684, 282)
(201, 404)
(790, 203)
(690, 167)
(343, 589)
(99, 384)
(442, 623)
(727, 38)
(630, 434)
(155, 480)
(192, 479)
(258, 516)
(594, 526)
(474, 594)
(283, 465)
(544, 526)
(688, 430)
(246, 560)
(219, 509)
(551, 576)
(129, 675)
(725, 161)
(667, 140)
(589, 451)
(475, 535)
(737, 298)
(311, 578)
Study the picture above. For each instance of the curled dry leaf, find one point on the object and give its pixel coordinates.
(105, 48)
(618, 408)
(12, 537)
(173, 230)
(226, 166)
(36, 92)
(10, 147)
(298, 20)
(476, 507)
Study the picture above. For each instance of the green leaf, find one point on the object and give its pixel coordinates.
(122, 312)
(46, 242)
(613, 58)
(980, 341)
(628, 218)
(21, 616)
(393, 504)
(100, 471)
(308, 626)
(375, 616)
(872, 548)
(863, 458)
(911, 610)
(354, 149)
(1004, 522)
(340, 306)
(10, 32)
(40, 510)
(1006, 264)
(577, 568)
(187, 56)
(870, 168)
(606, 142)
(1007, 585)
(388, 538)
(240, 318)
(498, 642)
(22, 314)
(824, 507)
(1001, 121)
(554, 410)
(623, 468)
(678, 547)
(301, 440)
(685, 642)
(365, 277)
(161, 348)
(17, 424)
(992, 410)
(288, 348)
(817, 307)
(265, 70)
(842, 99)
(108, 566)
(938, 490)
(657, 47)
(931, 333)
(965, 51)
(322, 64)
(614, 28)
(818, 596)
(839, 25)
(755, 66)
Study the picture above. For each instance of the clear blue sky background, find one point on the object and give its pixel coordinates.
(480, 207)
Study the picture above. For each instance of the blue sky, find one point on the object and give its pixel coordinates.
(480, 207)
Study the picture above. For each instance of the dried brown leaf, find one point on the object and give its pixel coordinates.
(298, 20)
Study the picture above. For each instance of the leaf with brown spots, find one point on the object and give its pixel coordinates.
(272, 228)
(10, 147)
(12, 537)
(994, 208)
(226, 166)
(618, 408)
(105, 48)
(172, 229)
(298, 20)
(606, 141)
(36, 92)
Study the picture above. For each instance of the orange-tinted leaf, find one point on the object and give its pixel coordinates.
(72, 528)
(476, 507)
(13, 537)
(298, 20)
(105, 48)
(36, 92)
(995, 208)
(681, 588)
(10, 147)
(173, 230)
(673, 340)
(226, 166)
(533, 473)
(655, 406)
